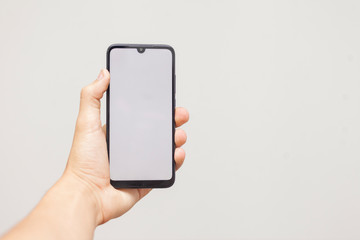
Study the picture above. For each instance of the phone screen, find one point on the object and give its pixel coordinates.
(140, 114)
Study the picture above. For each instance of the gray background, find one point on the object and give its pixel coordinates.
(272, 88)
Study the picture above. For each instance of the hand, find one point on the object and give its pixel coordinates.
(88, 161)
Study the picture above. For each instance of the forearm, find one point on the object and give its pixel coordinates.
(67, 211)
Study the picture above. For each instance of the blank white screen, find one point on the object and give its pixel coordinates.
(140, 114)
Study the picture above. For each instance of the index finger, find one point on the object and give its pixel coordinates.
(181, 116)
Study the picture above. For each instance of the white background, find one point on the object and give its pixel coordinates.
(273, 92)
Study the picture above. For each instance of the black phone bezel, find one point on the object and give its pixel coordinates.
(142, 183)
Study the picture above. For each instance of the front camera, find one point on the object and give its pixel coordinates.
(141, 50)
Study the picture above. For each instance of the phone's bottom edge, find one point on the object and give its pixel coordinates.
(143, 184)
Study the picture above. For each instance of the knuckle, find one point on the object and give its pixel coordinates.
(86, 91)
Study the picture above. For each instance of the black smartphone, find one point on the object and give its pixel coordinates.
(140, 111)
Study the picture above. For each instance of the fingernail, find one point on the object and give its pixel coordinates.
(101, 75)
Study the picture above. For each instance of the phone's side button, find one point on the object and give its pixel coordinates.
(174, 90)
(175, 83)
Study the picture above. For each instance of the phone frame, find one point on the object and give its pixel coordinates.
(142, 183)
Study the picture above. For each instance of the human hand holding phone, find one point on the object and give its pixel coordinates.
(83, 197)
(89, 159)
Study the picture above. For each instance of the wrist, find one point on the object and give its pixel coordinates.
(71, 202)
(80, 194)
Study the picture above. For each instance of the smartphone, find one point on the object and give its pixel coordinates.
(140, 110)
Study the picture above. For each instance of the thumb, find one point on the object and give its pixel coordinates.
(90, 98)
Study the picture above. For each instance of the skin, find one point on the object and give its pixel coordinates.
(83, 198)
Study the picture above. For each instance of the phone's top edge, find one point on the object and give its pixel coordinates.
(156, 46)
